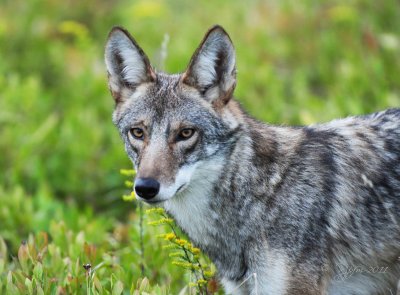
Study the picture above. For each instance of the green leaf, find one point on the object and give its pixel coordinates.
(77, 267)
(38, 272)
(97, 284)
(144, 285)
(10, 287)
(53, 290)
(3, 249)
(9, 277)
(2, 265)
(23, 256)
(28, 284)
(118, 288)
(39, 290)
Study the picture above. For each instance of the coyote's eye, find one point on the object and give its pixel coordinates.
(185, 134)
(137, 133)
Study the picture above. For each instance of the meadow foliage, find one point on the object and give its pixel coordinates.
(299, 62)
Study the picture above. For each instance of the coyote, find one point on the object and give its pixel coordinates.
(286, 210)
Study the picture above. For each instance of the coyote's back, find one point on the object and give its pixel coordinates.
(309, 210)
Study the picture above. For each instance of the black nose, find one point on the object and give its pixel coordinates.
(146, 188)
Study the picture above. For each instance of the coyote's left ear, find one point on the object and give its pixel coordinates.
(212, 68)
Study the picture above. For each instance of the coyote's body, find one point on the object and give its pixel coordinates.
(309, 210)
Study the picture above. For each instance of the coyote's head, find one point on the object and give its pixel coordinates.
(175, 127)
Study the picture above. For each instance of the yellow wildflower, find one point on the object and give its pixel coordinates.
(127, 172)
(201, 282)
(155, 210)
(176, 254)
(128, 184)
(209, 273)
(170, 246)
(195, 250)
(130, 197)
(181, 242)
(186, 265)
(161, 221)
(169, 237)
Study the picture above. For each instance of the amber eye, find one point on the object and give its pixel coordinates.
(185, 134)
(137, 133)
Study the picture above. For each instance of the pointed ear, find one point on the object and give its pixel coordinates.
(127, 64)
(212, 69)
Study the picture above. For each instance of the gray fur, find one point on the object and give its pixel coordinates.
(310, 210)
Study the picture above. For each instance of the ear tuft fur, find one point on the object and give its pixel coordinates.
(212, 69)
(127, 64)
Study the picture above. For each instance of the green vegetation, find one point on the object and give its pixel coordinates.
(299, 62)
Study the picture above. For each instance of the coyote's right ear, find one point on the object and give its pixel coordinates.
(127, 64)
(212, 69)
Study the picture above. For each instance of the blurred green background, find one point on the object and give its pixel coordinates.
(299, 62)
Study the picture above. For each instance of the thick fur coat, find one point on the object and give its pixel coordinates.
(294, 210)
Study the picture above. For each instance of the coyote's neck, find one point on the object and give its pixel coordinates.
(191, 208)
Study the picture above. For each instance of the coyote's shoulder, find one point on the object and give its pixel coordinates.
(301, 207)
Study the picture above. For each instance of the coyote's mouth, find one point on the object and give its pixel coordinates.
(154, 202)
(181, 188)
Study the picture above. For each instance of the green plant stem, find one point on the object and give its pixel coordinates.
(141, 239)
(200, 288)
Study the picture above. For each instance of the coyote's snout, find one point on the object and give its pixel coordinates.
(298, 206)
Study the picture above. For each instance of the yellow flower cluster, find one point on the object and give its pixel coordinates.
(186, 265)
(169, 246)
(200, 282)
(209, 273)
(129, 184)
(169, 237)
(155, 210)
(130, 197)
(181, 242)
(184, 244)
(161, 221)
(194, 250)
(127, 172)
(178, 254)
